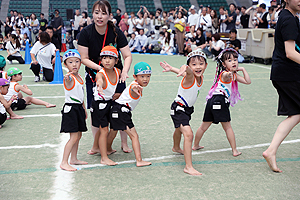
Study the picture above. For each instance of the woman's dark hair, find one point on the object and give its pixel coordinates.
(14, 37)
(216, 36)
(181, 14)
(216, 16)
(33, 15)
(199, 29)
(168, 38)
(44, 37)
(282, 4)
(9, 19)
(85, 14)
(103, 4)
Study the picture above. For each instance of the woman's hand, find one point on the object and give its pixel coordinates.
(124, 76)
(35, 62)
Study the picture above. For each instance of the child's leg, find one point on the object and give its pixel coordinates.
(12, 115)
(282, 131)
(187, 148)
(110, 138)
(103, 147)
(136, 147)
(38, 102)
(176, 141)
(69, 146)
(199, 134)
(231, 138)
(124, 146)
(96, 133)
(74, 160)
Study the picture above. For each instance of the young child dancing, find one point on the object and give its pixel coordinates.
(107, 79)
(74, 112)
(120, 115)
(4, 84)
(183, 105)
(15, 75)
(223, 92)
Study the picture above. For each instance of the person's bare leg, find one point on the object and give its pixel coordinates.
(38, 102)
(199, 134)
(231, 137)
(187, 148)
(13, 115)
(67, 150)
(282, 131)
(176, 141)
(74, 160)
(124, 145)
(103, 147)
(95, 148)
(136, 147)
(110, 139)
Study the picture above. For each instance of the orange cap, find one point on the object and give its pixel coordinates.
(109, 51)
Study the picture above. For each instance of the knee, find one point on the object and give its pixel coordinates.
(189, 136)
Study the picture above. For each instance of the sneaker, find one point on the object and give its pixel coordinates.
(10, 62)
(36, 79)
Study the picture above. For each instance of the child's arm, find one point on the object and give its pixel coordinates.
(136, 91)
(24, 89)
(5, 103)
(169, 68)
(86, 116)
(100, 83)
(69, 81)
(245, 79)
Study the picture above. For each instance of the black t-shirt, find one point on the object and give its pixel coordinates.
(89, 37)
(245, 20)
(43, 23)
(235, 43)
(55, 42)
(231, 25)
(118, 18)
(265, 21)
(287, 28)
(200, 40)
(56, 22)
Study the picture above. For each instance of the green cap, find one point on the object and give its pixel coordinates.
(13, 71)
(2, 62)
(142, 68)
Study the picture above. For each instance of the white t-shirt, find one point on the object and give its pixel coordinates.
(219, 43)
(192, 20)
(12, 48)
(139, 22)
(43, 56)
(35, 22)
(131, 23)
(76, 21)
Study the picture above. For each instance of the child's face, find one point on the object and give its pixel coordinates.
(73, 64)
(17, 77)
(108, 62)
(231, 64)
(142, 79)
(4, 89)
(198, 66)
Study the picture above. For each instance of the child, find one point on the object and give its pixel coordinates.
(13, 49)
(107, 79)
(182, 107)
(222, 93)
(120, 115)
(73, 113)
(4, 84)
(15, 75)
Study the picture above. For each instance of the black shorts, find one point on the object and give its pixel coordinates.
(181, 115)
(3, 118)
(19, 105)
(100, 111)
(73, 118)
(120, 117)
(217, 110)
(289, 97)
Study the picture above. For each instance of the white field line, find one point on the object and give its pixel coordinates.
(260, 66)
(46, 115)
(30, 146)
(50, 97)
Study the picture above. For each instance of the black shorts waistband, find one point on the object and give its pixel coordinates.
(73, 104)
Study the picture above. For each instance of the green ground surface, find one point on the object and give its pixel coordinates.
(33, 173)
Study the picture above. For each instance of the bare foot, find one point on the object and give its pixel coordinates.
(177, 150)
(92, 152)
(78, 162)
(67, 167)
(0, 126)
(108, 162)
(50, 105)
(197, 147)
(271, 160)
(16, 117)
(126, 149)
(142, 163)
(236, 153)
(112, 151)
(191, 171)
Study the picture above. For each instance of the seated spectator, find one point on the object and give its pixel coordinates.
(235, 43)
(191, 34)
(216, 45)
(206, 47)
(24, 40)
(140, 41)
(126, 35)
(13, 49)
(167, 44)
(150, 43)
(1, 42)
(189, 46)
(200, 38)
(132, 42)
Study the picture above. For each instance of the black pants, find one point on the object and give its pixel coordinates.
(215, 52)
(58, 36)
(18, 58)
(47, 73)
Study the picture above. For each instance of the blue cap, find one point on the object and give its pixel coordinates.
(71, 53)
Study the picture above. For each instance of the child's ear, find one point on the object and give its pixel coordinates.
(134, 76)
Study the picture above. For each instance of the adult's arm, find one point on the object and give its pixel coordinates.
(84, 52)
(291, 53)
(126, 54)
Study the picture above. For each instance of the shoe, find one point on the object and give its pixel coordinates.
(36, 79)
(10, 62)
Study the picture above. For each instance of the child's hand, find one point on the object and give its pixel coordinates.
(166, 66)
(240, 69)
(182, 70)
(68, 77)
(137, 89)
(100, 91)
(14, 97)
(25, 86)
(229, 75)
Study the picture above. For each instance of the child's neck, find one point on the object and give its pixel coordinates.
(109, 70)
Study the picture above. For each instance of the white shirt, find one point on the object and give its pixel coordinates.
(138, 23)
(76, 93)
(12, 48)
(219, 43)
(204, 19)
(223, 25)
(141, 41)
(43, 56)
(76, 21)
(192, 20)
(131, 23)
(35, 22)
(127, 99)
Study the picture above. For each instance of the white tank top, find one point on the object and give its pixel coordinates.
(11, 91)
(110, 88)
(187, 96)
(127, 99)
(224, 88)
(76, 93)
(2, 109)
(4, 75)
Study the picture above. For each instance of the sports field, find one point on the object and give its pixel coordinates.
(31, 149)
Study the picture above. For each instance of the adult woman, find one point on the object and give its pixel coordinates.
(13, 49)
(167, 44)
(216, 45)
(34, 23)
(41, 55)
(85, 20)
(200, 38)
(92, 39)
(180, 25)
(7, 26)
(214, 21)
(285, 76)
(124, 22)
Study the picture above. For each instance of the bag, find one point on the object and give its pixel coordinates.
(35, 31)
(179, 27)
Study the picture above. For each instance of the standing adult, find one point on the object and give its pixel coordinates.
(118, 15)
(85, 20)
(193, 17)
(57, 23)
(77, 18)
(285, 76)
(180, 26)
(231, 18)
(244, 18)
(49, 30)
(263, 23)
(92, 39)
(204, 21)
(43, 22)
(34, 24)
